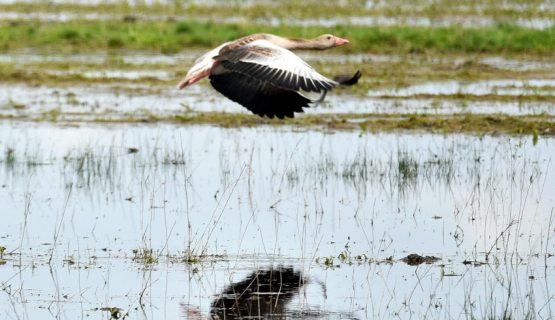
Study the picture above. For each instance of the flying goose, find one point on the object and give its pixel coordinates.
(262, 74)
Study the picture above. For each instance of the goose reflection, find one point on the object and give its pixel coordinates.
(264, 294)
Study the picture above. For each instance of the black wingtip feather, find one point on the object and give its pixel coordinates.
(260, 97)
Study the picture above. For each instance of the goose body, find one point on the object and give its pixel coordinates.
(262, 74)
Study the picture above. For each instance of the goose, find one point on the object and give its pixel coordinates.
(261, 73)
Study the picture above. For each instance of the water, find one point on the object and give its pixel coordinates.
(510, 87)
(341, 209)
(416, 21)
(166, 221)
(144, 84)
(121, 100)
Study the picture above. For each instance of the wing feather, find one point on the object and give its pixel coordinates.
(263, 60)
(259, 96)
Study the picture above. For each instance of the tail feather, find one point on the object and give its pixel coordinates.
(348, 80)
(193, 76)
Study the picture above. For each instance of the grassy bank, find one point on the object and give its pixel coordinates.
(455, 123)
(171, 37)
(535, 125)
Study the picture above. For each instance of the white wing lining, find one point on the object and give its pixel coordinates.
(266, 61)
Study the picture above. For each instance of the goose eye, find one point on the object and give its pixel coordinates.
(328, 37)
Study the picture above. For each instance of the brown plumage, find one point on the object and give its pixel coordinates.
(262, 74)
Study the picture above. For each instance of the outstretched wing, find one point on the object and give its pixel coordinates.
(265, 61)
(261, 97)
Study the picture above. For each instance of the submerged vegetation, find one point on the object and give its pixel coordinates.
(145, 255)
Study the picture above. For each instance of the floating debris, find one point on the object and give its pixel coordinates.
(414, 259)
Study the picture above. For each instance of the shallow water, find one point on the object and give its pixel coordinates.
(511, 87)
(417, 21)
(165, 221)
(142, 84)
(81, 198)
(116, 101)
(177, 60)
(185, 58)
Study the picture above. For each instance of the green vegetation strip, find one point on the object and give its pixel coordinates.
(474, 123)
(535, 125)
(171, 37)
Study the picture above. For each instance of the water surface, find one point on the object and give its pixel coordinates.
(82, 200)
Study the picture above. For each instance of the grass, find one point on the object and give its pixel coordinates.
(533, 125)
(9, 157)
(465, 122)
(408, 167)
(171, 37)
(145, 255)
(408, 70)
(2, 250)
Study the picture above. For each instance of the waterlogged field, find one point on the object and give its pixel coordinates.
(423, 192)
(154, 218)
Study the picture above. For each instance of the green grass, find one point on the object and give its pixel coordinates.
(533, 125)
(464, 122)
(171, 37)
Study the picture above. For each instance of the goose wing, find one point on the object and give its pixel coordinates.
(260, 97)
(265, 61)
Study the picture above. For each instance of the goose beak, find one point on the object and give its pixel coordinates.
(340, 42)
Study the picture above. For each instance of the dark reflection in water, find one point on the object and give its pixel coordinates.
(263, 294)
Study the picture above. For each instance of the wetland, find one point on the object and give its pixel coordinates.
(426, 191)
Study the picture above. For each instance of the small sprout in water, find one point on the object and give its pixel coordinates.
(535, 137)
(9, 159)
(2, 250)
(190, 258)
(115, 312)
(186, 108)
(344, 256)
(145, 255)
(361, 258)
(326, 261)
(70, 261)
